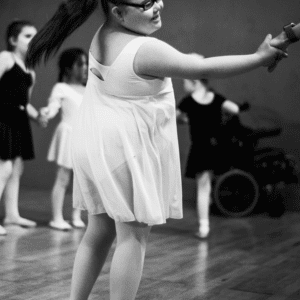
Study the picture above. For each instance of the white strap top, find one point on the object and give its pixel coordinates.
(112, 81)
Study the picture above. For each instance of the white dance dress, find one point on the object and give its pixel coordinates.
(125, 145)
(66, 99)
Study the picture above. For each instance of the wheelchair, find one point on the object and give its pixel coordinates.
(252, 173)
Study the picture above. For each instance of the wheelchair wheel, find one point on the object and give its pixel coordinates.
(236, 193)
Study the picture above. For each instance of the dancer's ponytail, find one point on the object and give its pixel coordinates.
(70, 15)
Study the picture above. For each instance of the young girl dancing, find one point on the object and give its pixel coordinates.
(203, 108)
(125, 147)
(66, 96)
(16, 84)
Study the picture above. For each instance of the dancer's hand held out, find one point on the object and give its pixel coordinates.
(269, 54)
(283, 40)
(44, 111)
(43, 117)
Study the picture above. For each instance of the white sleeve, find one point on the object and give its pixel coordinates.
(55, 100)
(231, 107)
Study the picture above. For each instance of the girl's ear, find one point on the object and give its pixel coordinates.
(12, 41)
(67, 72)
(117, 13)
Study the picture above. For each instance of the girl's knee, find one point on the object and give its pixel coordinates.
(133, 230)
(204, 179)
(100, 227)
(18, 167)
(6, 169)
(63, 176)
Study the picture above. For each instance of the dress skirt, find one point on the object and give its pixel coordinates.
(125, 150)
(60, 147)
(15, 135)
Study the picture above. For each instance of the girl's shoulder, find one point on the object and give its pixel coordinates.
(7, 54)
(150, 44)
(59, 89)
(63, 90)
(6, 60)
(32, 73)
(61, 86)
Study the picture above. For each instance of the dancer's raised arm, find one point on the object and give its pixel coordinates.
(165, 61)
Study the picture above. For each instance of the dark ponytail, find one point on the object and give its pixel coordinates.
(70, 15)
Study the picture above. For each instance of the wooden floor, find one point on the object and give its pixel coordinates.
(253, 258)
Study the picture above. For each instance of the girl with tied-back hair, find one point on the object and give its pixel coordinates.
(125, 148)
(16, 111)
(65, 97)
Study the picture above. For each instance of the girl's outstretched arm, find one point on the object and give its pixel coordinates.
(36, 116)
(33, 113)
(54, 102)
(159, 59)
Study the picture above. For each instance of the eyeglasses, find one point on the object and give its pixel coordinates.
(145, 6)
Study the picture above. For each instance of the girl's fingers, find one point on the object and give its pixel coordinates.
(273, 66)
(280, 55)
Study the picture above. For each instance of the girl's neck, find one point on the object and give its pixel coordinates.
(111, 26)
(20, 60)
(20, 56)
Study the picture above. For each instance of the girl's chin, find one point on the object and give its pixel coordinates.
(146, 30)
(155, 26)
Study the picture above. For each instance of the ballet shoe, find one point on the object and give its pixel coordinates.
(62, 226)
(19, 222)
(2, 231)
(78, 223)
(203, 231)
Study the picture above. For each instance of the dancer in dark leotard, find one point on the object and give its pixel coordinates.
(16, 83)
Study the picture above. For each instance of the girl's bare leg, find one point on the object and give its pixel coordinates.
(11, 197)
(91, 255)
(76, 218)
(128, 260)
(5, 173)
(203, 181)
(58, 193)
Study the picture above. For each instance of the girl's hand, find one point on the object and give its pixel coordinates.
(42, 121)
(42, 118)
(269, 55)
(44, 111)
